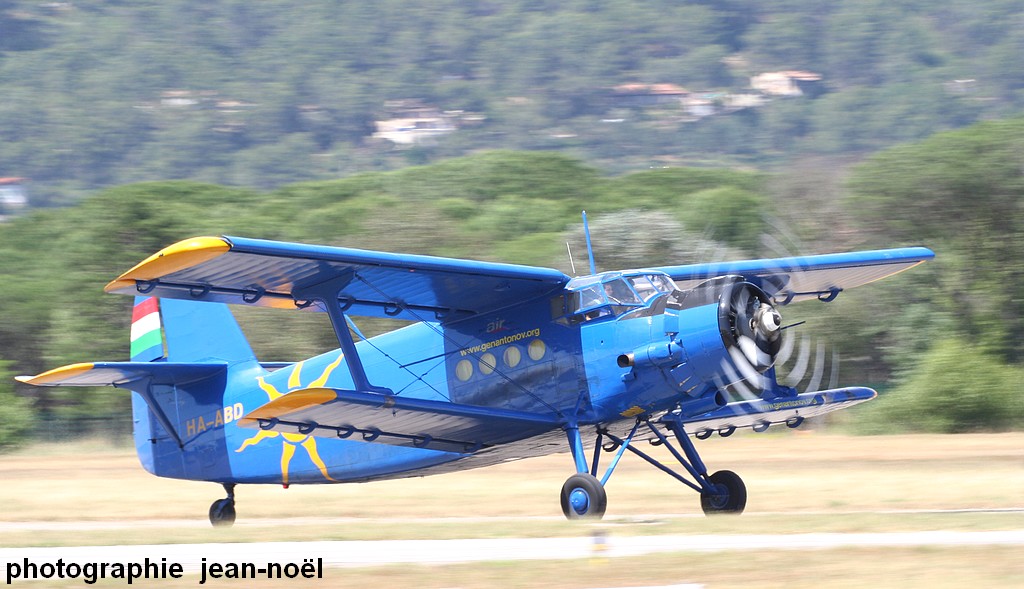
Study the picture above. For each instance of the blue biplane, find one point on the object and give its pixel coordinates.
(502, 362)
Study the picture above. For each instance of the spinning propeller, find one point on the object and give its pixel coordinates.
(751, 328)
(764, 354)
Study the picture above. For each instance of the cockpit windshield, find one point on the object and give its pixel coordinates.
(614, 293)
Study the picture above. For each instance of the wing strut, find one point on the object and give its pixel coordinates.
(328, 295)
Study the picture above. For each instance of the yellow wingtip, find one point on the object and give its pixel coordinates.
(181, 255)
(57, 375)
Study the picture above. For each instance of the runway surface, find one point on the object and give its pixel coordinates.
(385, 552)
(94, 525)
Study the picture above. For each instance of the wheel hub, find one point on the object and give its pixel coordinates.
(719, 496)
(580, 501)
(583, 496)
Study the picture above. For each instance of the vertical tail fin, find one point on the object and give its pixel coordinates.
(179, 430)
(203, 332)
(186, 331)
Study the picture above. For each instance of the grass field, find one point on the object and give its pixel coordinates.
(796, 482)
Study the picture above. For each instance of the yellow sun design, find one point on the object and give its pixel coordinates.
(291, 441)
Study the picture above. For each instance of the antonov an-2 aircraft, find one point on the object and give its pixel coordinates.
(502, 362)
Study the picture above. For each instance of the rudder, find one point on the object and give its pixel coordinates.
(183, 332)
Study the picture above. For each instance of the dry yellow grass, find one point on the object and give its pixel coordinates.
(797, 482)
(784, 472)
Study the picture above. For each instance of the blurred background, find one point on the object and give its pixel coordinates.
(690, 131)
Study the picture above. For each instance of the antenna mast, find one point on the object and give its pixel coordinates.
(590, 249)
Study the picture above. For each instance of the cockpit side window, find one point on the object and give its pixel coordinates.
(643, 287)
(590, 296)
(662, 283)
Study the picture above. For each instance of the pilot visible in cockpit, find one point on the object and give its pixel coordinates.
(618, 293)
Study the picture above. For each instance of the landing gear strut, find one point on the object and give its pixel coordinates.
(583, 494)
(222, 512)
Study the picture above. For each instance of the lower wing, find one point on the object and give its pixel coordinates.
(760, 414)
(396, 420)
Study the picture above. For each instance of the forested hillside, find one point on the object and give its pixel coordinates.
(99, 93)
(689, 130)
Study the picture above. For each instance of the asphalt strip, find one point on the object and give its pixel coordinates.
(337, 554)
(610, 521)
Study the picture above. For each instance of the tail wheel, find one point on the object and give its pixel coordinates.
(728, 494)
(583, 496)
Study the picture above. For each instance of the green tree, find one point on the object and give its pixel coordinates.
(15, 413)
(955, 389)
(727, 214)
(960, 192)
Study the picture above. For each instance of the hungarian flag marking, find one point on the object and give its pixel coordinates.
(147, 340)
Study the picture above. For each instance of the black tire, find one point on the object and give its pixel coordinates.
(583, 497)
(222, 513)
(729, 496)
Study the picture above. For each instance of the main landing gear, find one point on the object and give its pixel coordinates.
(222, 512)
(583, 494)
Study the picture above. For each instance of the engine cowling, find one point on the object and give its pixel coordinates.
(727, 330)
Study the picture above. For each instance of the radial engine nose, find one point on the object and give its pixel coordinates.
(727, 329)
(751, 325)
(767, 320)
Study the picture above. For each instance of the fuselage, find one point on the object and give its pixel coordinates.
(560, 355)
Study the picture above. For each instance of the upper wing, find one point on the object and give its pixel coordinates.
(396, 420)
(806, 277)
(275, 274)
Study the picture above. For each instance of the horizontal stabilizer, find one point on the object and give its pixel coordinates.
(396, 420)
(763, 413)
(123, 374)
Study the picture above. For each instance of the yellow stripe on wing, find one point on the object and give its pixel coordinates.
(181, 255)
(288, 403)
